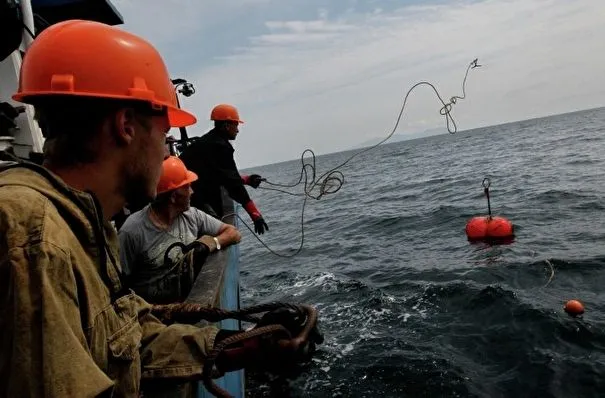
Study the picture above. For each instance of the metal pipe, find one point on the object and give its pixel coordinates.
(183, 130)
(28, 21)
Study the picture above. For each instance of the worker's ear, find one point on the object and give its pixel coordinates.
(173, 197)
(124, 126)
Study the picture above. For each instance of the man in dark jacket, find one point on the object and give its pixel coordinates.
(211, 158)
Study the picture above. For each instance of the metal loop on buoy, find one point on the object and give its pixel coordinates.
(486, 183)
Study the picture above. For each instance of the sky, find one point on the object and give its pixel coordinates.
(330, 74)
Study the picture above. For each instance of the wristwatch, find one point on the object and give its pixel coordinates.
(218, 245)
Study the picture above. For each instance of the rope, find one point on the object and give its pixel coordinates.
(185, 250)
(207, 371)
(552, 272)
(302, 232)
(332, 181)
(192, 313)
(486, 184)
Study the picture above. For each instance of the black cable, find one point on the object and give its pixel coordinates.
(31, 34)
(331, 181)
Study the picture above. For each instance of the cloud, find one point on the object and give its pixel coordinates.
(336, 78)
(301, 27)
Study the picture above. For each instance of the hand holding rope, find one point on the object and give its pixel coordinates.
(192, 313)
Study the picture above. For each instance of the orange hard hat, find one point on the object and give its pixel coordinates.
(174, 175)
(92, 59)
(225, 112)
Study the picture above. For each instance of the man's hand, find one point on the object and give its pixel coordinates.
(259, 222)
(274, 352)
(295, 349)
(253, 180)
(260, 226)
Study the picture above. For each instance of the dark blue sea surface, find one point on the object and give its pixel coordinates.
(408, 306)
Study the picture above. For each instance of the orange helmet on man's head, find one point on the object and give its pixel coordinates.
(174, 175)
(225, 113)
(92, 59)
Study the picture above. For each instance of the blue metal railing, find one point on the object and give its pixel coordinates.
(234, 382)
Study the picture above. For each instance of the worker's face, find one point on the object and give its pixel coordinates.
(181, 198)
(145, 155)
(232, 129)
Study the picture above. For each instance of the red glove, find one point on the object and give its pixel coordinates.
(259, 223)
(253, 180)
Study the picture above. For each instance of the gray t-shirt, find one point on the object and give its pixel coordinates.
(142, 244)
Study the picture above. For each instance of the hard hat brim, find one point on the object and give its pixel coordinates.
(180, 118)
(227, 120)
(176, 117)
(191, 176)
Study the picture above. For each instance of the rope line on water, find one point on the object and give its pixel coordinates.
(552, 272)
(332, 180)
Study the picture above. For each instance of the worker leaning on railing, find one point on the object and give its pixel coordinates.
(69, 328)
(156, 269)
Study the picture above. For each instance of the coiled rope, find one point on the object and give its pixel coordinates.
(332, 181)
(192, 313)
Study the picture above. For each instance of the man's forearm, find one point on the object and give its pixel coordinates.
(229, 236)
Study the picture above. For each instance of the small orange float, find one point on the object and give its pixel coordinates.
(574, 308)
(489, 228)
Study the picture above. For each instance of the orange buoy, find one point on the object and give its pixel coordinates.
(489, 228)
(574, 308)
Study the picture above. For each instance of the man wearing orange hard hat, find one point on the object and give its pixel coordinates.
(70, 327)
(211, 157)
(153, 240)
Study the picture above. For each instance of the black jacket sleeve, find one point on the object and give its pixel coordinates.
(228, 174)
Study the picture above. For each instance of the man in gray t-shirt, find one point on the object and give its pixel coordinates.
(147, 234)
